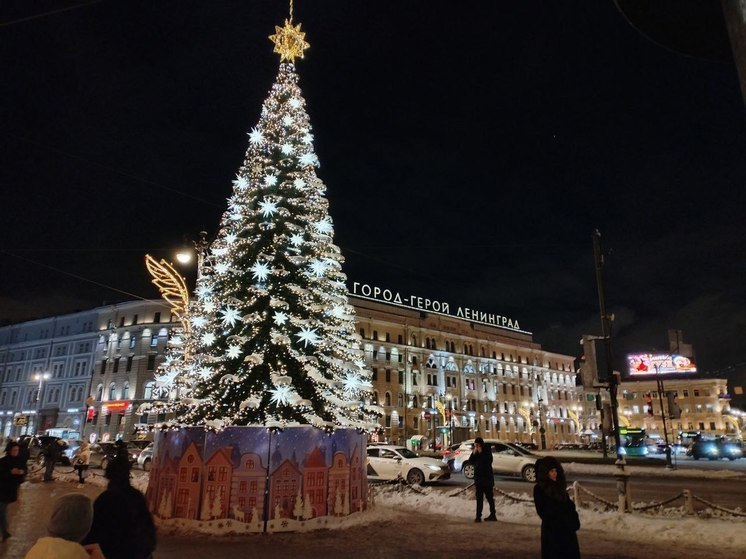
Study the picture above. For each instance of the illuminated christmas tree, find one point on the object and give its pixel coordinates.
(274, 333)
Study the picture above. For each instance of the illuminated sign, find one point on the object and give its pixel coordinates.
(641, 364)
(116, 406)
(375, 293)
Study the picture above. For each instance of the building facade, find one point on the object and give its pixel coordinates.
(439, 378)
(704, 403)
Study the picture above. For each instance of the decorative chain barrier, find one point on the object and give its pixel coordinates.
(513, 497)
(597, 497)
(716, 507)
(656, 505)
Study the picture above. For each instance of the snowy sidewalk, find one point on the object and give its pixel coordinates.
(414, 525)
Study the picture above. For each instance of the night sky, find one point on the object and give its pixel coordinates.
(469, 149)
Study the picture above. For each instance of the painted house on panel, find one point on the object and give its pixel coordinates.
(284, 484)
(217, 485)
(188, 485)
(339, 484)
(247, 487)
(315, 478)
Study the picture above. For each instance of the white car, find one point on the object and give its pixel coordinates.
(388, 462)
(507, 459)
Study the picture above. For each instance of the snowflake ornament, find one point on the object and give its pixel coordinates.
(229, 317)
(294, 103)
(324, 226)
(352, 383)
(268, 207)
(241, 183)
(270, 180)
(318, 267)
(307, 139)
(233, 352)
(221, 268)
(198, 321)
(308, 336)
(260, 271)
(256, 137)
(307, 159)
(230, 238)
(280, 318)
(287, 120)
(299, 183)
(296, 240)
(208, 339)
(281, 395)
(287, 149)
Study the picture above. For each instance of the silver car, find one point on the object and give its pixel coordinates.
(145, 458)
(507, 459)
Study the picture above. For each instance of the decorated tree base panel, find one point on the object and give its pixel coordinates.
(249, 479)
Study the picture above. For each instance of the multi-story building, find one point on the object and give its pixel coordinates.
(45, 373)
(439, 377)
(444, 378)
(704, 403)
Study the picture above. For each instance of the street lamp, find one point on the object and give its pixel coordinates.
(41, 377)
(185, 256)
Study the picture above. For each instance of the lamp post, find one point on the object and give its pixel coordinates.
(41, 377)
(659, 383)
(542, 430)
(200, 246)
(449, 397)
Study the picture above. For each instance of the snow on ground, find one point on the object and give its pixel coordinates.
(667, 525)
(649, 471)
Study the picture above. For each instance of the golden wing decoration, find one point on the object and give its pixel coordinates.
(171, 285)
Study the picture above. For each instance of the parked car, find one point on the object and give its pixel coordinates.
(145, 458)
(36, 445)
(388, 462)
(507, 459)
(730, 450)
(134, 448)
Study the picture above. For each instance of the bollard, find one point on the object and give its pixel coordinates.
(624, 491)
(576, 494)
(688, 501)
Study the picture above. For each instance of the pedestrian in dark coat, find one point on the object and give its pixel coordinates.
(52, 453)
(12, 473)
(122, 524)
(559, 519)
(484, 478)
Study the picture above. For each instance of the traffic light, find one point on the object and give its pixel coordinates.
(649, 402)
(674, 411)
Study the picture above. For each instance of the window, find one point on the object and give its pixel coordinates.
(388, 375)
(696, 395)
(154, 340)
(148, 395)
(157, 317)
(112, 392)
(103, 366)
(374, 374)
(686, 393)
(126, 391)
(116, 364)
(134, 319)
(133, 341)
(151, 363)
(401, 377)
(128, 368)
(99, 392)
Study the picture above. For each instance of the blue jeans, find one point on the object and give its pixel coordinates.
(3, 518)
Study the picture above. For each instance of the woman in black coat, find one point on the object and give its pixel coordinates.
(122, 523)
(559, 519)
(12, 473)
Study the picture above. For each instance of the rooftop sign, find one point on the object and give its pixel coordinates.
(375, 293)
(642, 364)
